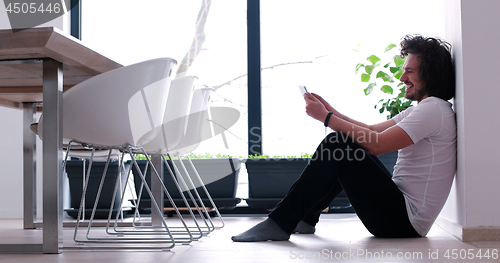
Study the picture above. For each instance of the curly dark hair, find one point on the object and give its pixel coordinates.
(436, 65)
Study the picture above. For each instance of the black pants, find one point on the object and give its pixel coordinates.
(340, 164)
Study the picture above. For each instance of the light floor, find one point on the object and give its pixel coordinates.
(339, 238)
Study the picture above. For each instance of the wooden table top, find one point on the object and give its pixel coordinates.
(21, 67)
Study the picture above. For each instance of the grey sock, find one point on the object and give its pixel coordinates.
(265, 230)
(304, 228)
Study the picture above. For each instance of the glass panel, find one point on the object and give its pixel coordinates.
(311, 43)
(133, 31)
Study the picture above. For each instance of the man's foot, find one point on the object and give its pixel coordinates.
(304, 228)
(264, 231)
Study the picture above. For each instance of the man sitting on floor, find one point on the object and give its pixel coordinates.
(405, 205)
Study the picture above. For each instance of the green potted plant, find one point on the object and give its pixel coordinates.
(385, 74)
(219, 174)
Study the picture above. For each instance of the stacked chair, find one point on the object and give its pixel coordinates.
(196, 123)
(139, 109)
(168, 136)
(199, 124)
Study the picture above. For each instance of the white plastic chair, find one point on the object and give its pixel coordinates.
(119, 110)
(197, 119)
(173, 126)
(182, 131)
(198, 125)
(169, 135)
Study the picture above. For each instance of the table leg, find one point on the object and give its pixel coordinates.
(29, 169)
(156, 188)
(52, 157)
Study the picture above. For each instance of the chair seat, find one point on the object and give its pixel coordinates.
(81, 151)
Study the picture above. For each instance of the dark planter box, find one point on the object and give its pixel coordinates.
(219, 175)
(270, 179)
(74, 170)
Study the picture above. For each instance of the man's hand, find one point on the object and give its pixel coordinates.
(315, 108)
(327, 105)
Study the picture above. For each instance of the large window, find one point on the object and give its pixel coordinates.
(312, 43)
(211, 32)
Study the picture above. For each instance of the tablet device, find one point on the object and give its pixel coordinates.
(303, 90)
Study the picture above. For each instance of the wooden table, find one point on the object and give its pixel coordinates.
(36, 65)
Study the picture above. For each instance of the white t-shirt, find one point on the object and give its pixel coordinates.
(424, 171)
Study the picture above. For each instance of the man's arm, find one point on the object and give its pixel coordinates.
(379, 127)
(390, 139)
(376, 139)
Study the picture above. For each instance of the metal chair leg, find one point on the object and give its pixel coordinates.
(163, 236)
(209, 197)
(177, 177)
(193, 186)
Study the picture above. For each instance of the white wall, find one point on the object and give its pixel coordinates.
(11, 163)
(11, 139)
(474, 35)
(454, 209)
